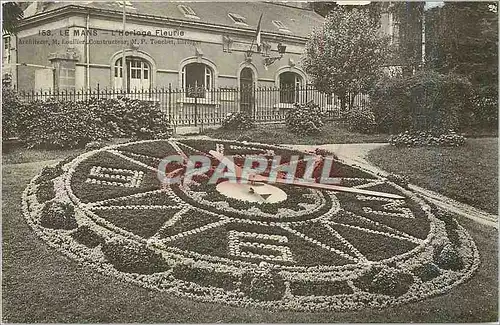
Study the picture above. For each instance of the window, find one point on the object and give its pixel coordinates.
(237, 19)
(290, 83)
(128, 4)
(282, 27)
(138, 74)
(6, 50)
(197, 79)
(188, 11)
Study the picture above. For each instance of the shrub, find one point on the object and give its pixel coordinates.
(427, 272)
(447, 257)
(58, 215)
(360, 120)
(385, 281)
(425, 138)
(484, 110)
(133, 118)
(64, 124)
(11, 105)
(86, 236)
(131, 257)
(426, 101)
(304, 119)
(56, 124)
(237, 121)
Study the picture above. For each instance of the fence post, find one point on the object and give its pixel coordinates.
(196, 108)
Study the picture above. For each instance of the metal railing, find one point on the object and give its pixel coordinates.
(208, 107)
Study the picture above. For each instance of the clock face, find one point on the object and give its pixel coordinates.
(261, 244)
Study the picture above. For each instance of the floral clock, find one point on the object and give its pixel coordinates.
(275, 246)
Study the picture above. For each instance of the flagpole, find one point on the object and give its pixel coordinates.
(256, 34)
(124, 63)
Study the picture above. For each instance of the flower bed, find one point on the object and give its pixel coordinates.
(316, 250)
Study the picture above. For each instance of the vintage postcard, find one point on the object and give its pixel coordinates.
(249, 162)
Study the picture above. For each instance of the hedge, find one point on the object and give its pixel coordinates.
(56, 124)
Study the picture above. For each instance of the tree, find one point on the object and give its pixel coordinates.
(12, 13)
(462, 38)
(409, 17)
(346, 54)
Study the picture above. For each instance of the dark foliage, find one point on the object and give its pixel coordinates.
(133, 258)
(304, 119)
(58, 215)
(84, 235)
(63, 124)
(427, 101)
(237, 121)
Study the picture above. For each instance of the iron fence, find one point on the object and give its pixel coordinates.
(209, 107)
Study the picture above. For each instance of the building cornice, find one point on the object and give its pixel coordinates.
(41, 18)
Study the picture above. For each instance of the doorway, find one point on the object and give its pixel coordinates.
(247, 97)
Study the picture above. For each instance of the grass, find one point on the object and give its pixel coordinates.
(40, 285)
(468, 174)
(14, 153)
(333, 132)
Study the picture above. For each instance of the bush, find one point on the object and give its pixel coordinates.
(11, 105)
(426, 101)
(56, 124)
(385, 281)
(425, 138)
(360, 120)
(133, 118)
(58, 215)
(86, 236)
(304, 119)
(237, 121)
(448, 258)
(133, 258)
(484, 111)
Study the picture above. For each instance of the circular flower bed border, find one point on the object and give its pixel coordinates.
(445, 259)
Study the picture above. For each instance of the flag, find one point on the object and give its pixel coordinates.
(257, 33)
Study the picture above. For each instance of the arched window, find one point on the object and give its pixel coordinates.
(197, 79)
(138, 74)
(290, 83)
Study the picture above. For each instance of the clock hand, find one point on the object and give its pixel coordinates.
(340, 188)
(259, 178)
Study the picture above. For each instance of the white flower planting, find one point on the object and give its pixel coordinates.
(243, 253)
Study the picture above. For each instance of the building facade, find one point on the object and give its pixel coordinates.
(194, 47)
(80, 45)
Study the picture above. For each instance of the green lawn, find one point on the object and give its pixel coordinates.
(333, 132)
(468, 174)
(40, 285)
(15, 153)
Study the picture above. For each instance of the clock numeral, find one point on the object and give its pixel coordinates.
(246, 244)
(393, 207)
(115, 177)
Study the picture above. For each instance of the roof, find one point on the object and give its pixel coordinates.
(299, 22)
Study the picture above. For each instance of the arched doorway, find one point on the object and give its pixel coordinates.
(247, 98)
(290, 83)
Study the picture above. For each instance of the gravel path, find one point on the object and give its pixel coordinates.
(356, 154)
